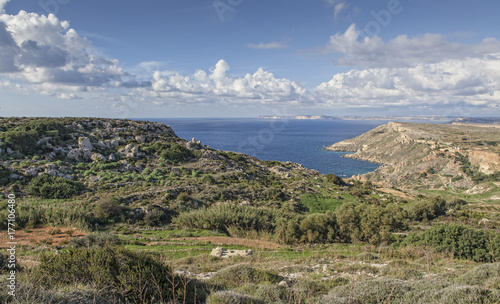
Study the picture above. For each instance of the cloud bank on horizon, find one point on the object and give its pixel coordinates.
(41, 54)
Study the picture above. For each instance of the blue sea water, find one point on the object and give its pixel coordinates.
(300, 141)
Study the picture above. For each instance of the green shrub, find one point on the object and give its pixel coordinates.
(272, 163)
(231, 297)
(266, 293)
(393, 291)
(428, 209)
(334, 179)
(208, 179)
(4, 175)
(176, 153)
(319, 228)
(51, 187)
(22, 141)
(237, 157)
(273, 194)
(223, 216)
(156, 217)
(107, 208)
(368, 292)
(120, 275)
(241, 274)
(64, 214)
(464, 242)
(288, 230)
(184, 197)
(369, 223)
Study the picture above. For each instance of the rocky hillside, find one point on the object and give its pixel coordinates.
(428, 155)
(143, 163)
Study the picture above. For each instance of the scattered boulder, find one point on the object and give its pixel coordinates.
(210, 155)
(130, 151)
(32, 171)
(281, 171)
(226, 253)
(140, 139)
(84, 143)
(79, 154)
(96, 157)
(484, 221)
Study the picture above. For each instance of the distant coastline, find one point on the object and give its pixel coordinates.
(326, 117)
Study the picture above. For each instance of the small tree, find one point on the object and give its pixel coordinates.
(107, 208)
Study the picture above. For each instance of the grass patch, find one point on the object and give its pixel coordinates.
(320, 203)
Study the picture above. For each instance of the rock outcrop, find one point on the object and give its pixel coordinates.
(227, 253)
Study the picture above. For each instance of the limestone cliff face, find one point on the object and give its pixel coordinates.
(424, 155)
(488, 162)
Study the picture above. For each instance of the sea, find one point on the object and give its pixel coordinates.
(299, 141)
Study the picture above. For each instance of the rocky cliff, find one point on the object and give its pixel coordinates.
(427, 155)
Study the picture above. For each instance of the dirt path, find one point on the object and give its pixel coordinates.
(395, 192)
(222, 240)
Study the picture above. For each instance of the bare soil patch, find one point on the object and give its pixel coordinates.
(48, 236)
(394, 192)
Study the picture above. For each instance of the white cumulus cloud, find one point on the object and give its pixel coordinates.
(42, 50)
(356, 49)
(261, 86)
(2, 4)
(472, 81)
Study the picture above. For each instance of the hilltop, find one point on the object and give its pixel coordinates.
(141, 159)
(428, 156)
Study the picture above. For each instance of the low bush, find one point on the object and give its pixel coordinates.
(107, 208)
(120, 275)
(208, 179)
(176, 153)
(237, 157)
(95, 240)
(52, 187)
(486, 275)
(242, 274)
(22, 141)
(393, 291)
(223, 216)
(60, 215)
(231, 297)
(4, 175)
(369, 223)
(334, 179)
(464, 242)
(157, 216)
(319, 228)
(428, 209)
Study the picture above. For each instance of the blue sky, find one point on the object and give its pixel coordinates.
(232, 58)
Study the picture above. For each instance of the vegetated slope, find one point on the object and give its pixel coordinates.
(143, 164)
(428, 155)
